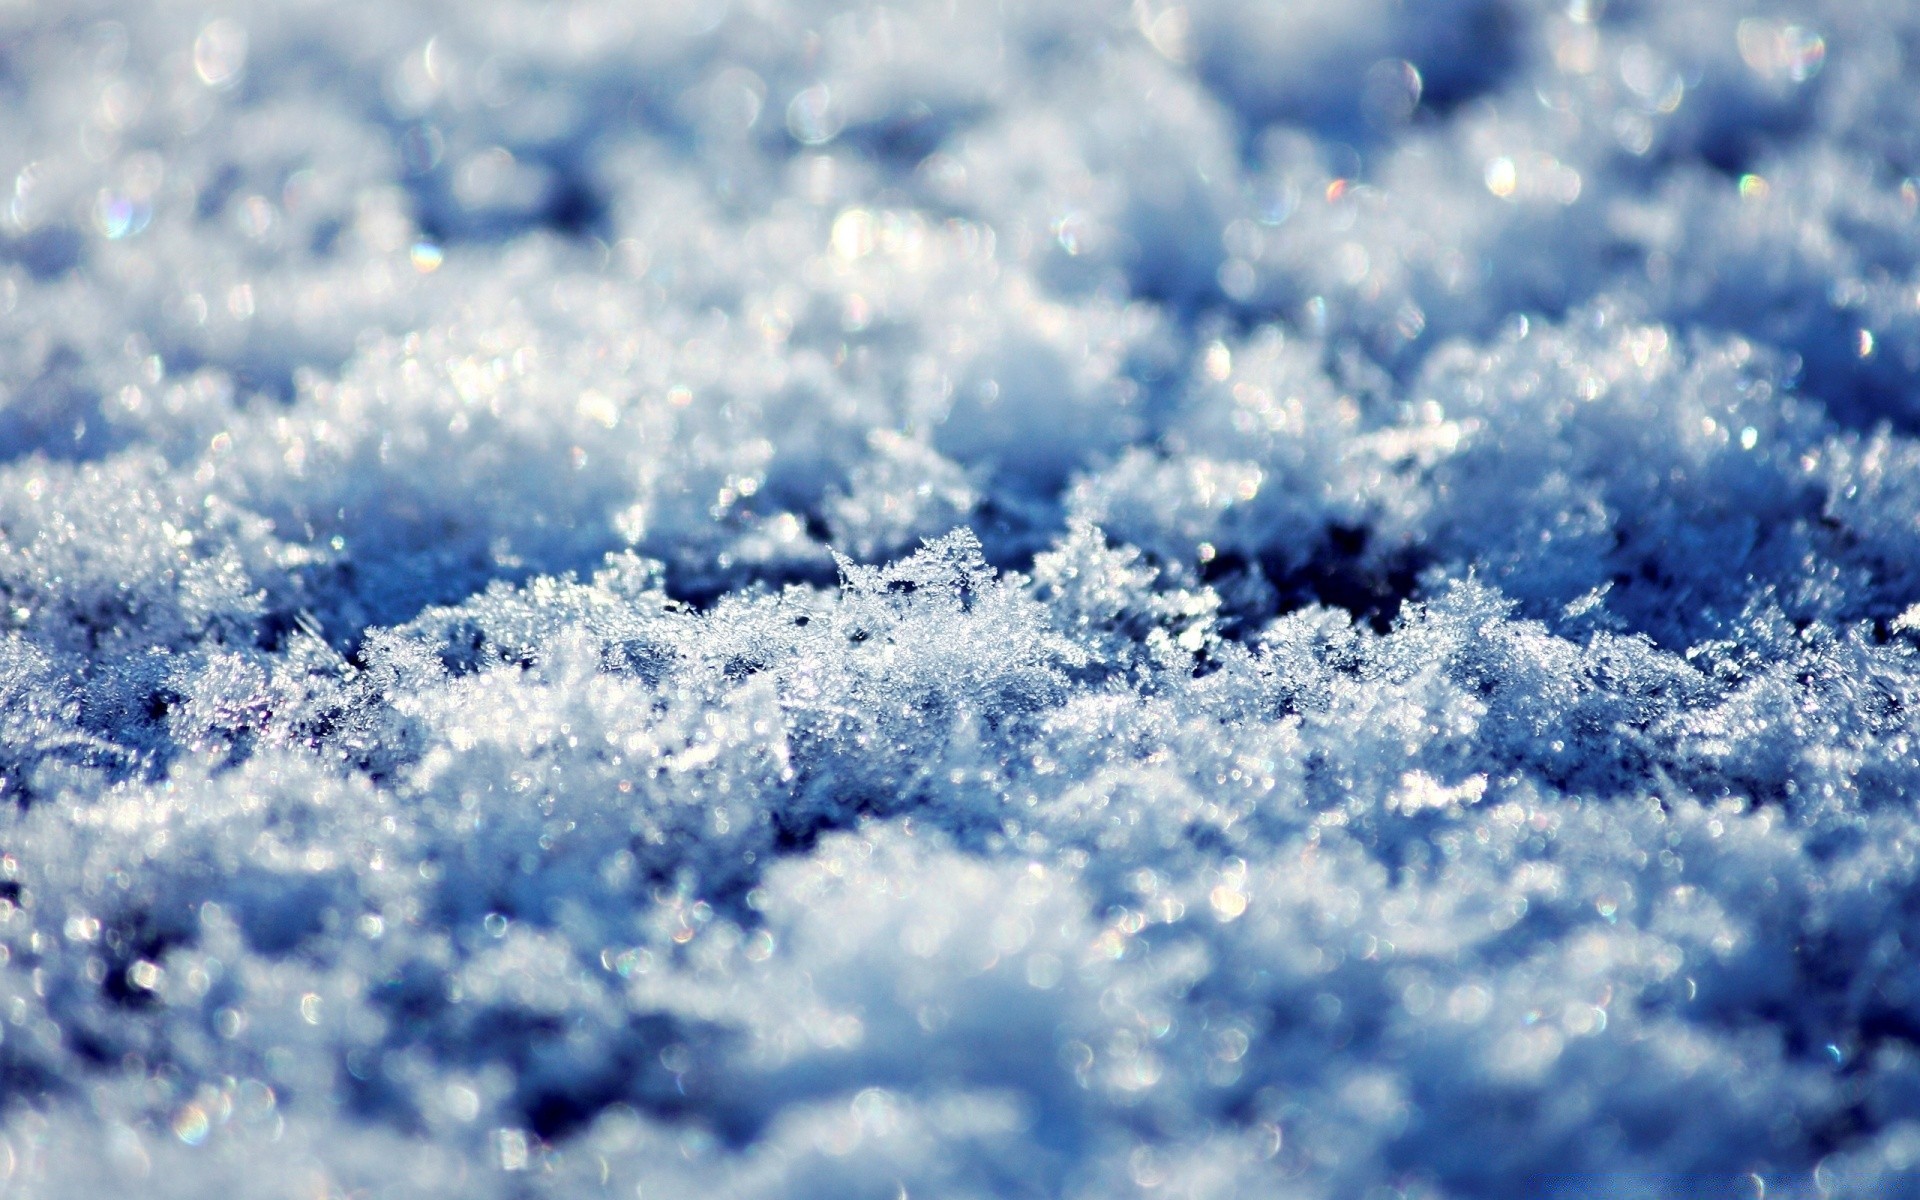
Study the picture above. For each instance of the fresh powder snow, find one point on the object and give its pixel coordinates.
(1257, 599)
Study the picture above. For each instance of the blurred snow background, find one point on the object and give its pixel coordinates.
(1248, 598)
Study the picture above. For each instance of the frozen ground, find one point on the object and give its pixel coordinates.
(1258, 598)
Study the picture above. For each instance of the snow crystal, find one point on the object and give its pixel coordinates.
(1070, 599)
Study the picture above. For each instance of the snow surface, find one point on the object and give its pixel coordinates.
(1249, 598)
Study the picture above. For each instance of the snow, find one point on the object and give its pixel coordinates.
(749, 599)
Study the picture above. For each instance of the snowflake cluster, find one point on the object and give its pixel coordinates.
(747, 598)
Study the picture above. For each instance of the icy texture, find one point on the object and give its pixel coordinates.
(1248, 598)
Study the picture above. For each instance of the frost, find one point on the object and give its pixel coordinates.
(1122, 599)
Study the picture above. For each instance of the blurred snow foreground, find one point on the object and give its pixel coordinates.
(1253, 599)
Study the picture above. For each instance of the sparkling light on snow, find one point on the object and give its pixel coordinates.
(1240, 598)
